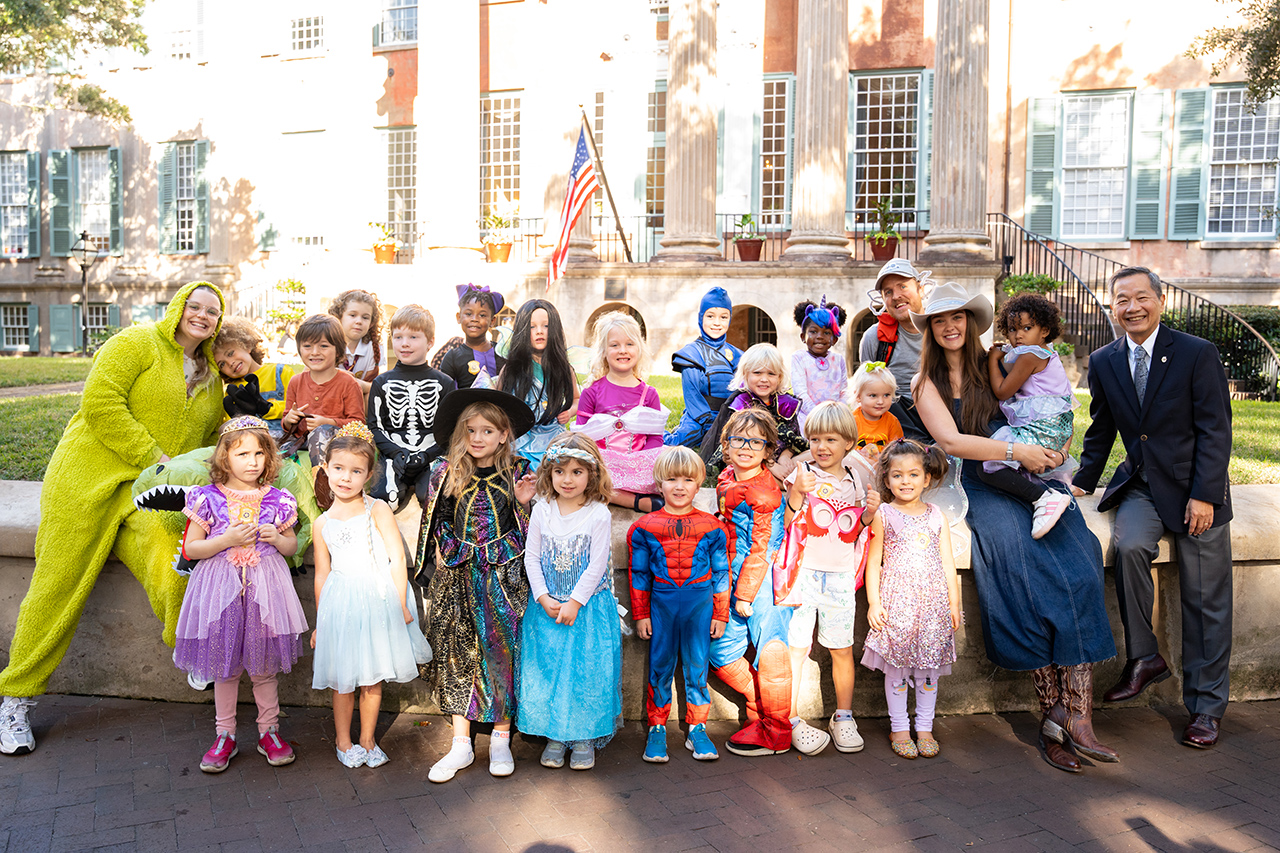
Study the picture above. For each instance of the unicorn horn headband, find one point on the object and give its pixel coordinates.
(823, 317)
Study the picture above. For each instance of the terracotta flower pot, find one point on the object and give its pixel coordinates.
(749, 248)
(384, 254)
(497, 253)
(885, 251)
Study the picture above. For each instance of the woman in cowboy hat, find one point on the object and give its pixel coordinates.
(1042, 600)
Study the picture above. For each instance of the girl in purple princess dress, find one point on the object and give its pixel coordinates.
(817, 373)
(622, 413)
(241, 613)
(1035, 396)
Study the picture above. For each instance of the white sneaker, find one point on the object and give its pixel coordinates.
(460, 755)
(198, 683)
(805, 738)
(15, 729)
(1049, 507)
(844, 733)
(501, 761)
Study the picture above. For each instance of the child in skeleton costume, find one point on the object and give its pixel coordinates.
(402, 409)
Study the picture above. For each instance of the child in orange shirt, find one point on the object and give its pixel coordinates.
(874, 389)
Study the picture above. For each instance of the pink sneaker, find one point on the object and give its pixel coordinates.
(220, 754)
(277, 751)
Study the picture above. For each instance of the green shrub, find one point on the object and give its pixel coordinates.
(1029, 283)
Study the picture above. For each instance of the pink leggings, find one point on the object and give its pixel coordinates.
(226, 693)
(896, 680)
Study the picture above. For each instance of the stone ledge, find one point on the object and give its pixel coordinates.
(139, 665)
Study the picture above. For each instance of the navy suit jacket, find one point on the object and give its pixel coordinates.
(1180, 435)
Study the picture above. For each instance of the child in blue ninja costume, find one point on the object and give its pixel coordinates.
(706, 368)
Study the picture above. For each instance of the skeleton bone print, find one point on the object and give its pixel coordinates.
(405, 412)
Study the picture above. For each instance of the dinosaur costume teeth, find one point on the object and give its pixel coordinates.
(162, 498)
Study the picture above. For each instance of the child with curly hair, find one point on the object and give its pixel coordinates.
(1035, 395)
(360, 314)
(254, 385)
(817, 373)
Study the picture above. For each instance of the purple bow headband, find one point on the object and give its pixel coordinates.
(467, 292)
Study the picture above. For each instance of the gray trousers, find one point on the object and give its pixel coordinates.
(1204, 575)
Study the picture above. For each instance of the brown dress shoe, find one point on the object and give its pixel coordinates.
(1201, 732)
(1138, 673)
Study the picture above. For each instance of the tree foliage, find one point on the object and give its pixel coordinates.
(1255, 44)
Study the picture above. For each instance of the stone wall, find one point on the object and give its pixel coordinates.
(117, 650)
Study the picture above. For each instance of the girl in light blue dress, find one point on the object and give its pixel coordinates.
(366, 618)
(568, 686)
(538, 372)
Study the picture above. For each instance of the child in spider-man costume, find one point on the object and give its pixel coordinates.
(752, 511)
(679, 597)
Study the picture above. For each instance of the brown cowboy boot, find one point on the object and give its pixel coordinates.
(1051, 749)
(1074, 722)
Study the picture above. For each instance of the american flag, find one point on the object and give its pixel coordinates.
(583, 182)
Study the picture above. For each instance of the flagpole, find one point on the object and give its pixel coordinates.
(617, 220)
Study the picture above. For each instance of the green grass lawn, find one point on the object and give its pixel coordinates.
(33, 426)
(16, 372)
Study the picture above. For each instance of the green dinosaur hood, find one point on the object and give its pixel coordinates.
(163, 488)
(173, 313)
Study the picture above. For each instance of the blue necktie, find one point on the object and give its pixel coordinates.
(1140, 373)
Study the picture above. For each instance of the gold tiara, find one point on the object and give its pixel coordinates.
(355, 429)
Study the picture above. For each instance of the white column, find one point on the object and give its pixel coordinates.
(822, 127)
(690, 220)
(959, 189)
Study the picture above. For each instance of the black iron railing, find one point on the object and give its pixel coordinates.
(1086, 322)
(1253, 367)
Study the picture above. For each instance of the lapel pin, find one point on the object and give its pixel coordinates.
(1164, 358)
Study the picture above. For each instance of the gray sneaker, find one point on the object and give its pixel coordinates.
(15, 729)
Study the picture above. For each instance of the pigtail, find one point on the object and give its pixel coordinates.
(936, 464)
(839, 312)
(802, 309)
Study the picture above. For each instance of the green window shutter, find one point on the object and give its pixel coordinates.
(64, 328)
(117, 201)
(1043, 158)
(1149, 166)
(267, 233)
(167, 180)
(113, 316)
(61, 211)
(33, 204)
(1190, 162)
(377, 34)
(924, 174)
(33, 328)
(202, 196)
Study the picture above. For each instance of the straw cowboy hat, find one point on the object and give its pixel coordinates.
(949, 297)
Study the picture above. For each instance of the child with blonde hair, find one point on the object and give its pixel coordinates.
(913, 594)
(622, 414)
(874, 390)
(473, 529)
(569, 688)
(760, 382)
(828, 508)
(240, 613)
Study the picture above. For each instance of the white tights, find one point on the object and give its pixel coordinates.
(896, 680)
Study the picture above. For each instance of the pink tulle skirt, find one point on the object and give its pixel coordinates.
(632, 470)
(235, 621)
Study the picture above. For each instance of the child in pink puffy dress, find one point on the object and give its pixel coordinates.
(622, 413)
(913, 595)
(240, 612)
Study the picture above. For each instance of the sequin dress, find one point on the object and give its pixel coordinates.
(1041, 412)
(361, 635)
(478, 593)
(913, 591)
(570, 687)
(240, 612)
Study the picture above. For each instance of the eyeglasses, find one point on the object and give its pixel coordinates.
(196, 311)
(737, 442)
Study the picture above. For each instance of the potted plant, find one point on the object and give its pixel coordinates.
(884, 240)
(748, 241)
(384, 243)
(497, 241)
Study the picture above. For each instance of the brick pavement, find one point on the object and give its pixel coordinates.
(124, 775)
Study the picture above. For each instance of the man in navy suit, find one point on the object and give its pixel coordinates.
(1165, 393)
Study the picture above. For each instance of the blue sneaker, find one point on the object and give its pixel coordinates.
(655, 748)
(700, 745)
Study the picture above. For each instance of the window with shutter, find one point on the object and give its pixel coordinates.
(15, 218)
(1244, 145)
(16, 328)
(1150, 165)
(655, 173)
(184, 198)
(774, 156)
(1095, 166)
(61, 219)
(1190, 153)
(885, 127)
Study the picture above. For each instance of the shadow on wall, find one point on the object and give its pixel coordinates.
(1098, 70)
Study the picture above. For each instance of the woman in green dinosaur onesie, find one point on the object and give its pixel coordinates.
(150, 395)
